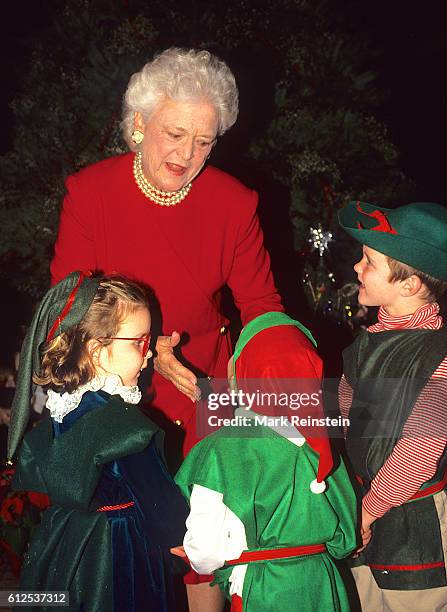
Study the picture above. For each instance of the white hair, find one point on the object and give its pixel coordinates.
(181, 75)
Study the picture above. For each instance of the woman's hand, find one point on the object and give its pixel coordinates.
(166, 364)
(179, 551)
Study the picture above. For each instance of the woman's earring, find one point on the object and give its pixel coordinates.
(137, 137)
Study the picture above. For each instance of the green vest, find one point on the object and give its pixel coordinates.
(265, 481)
(387, 371)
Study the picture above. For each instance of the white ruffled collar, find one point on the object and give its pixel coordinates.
(60, 405)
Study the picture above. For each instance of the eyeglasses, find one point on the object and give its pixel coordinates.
(144, 339)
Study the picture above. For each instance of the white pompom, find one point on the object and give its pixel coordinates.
(317, 487)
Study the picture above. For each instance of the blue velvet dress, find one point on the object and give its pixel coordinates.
(129, 552)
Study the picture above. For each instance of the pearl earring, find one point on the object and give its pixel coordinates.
(137, 137)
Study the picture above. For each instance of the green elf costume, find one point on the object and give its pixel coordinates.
(114, 511)
(262, 518)
(388, 371)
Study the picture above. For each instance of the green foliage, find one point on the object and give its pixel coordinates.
(322, 141)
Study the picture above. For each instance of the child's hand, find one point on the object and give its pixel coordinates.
(366, 537)
(367, 520)
(365, 530)
(179, 551)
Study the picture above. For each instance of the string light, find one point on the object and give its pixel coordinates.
(319, 239)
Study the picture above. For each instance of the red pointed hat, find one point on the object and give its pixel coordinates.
(279, 350)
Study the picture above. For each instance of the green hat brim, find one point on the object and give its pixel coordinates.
(421, 239)
(265, 321)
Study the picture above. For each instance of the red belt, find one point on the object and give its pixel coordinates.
(407, 568)
(431, 490)
(249, 556)
(116, 507)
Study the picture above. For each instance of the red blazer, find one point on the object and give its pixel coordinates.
(185, 253)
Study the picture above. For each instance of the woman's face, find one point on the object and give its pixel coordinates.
(178, 138)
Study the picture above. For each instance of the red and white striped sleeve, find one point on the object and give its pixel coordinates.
(345, 395)
(415, 457)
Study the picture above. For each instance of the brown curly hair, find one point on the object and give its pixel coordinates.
(67, 362)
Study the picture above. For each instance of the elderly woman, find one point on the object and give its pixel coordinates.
(157, 215)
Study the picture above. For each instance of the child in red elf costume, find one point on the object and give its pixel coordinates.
(262, 518)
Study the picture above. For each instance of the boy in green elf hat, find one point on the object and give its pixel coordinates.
(394, 391)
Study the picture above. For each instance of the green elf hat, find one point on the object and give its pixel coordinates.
(414, 234)
(265, 321)
(62, 307)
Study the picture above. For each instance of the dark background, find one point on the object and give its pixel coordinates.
(410, 53)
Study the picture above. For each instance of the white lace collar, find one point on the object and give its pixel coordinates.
(60, 405)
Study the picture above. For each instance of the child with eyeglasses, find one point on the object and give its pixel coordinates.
(114, 513)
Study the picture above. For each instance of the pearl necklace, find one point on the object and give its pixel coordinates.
(163, 198)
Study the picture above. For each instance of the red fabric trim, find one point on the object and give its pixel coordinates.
(116, 507)
(236, 604)
(277, 553)
(407, 568)
(68, 305)
(192, 577)
(432, 489)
